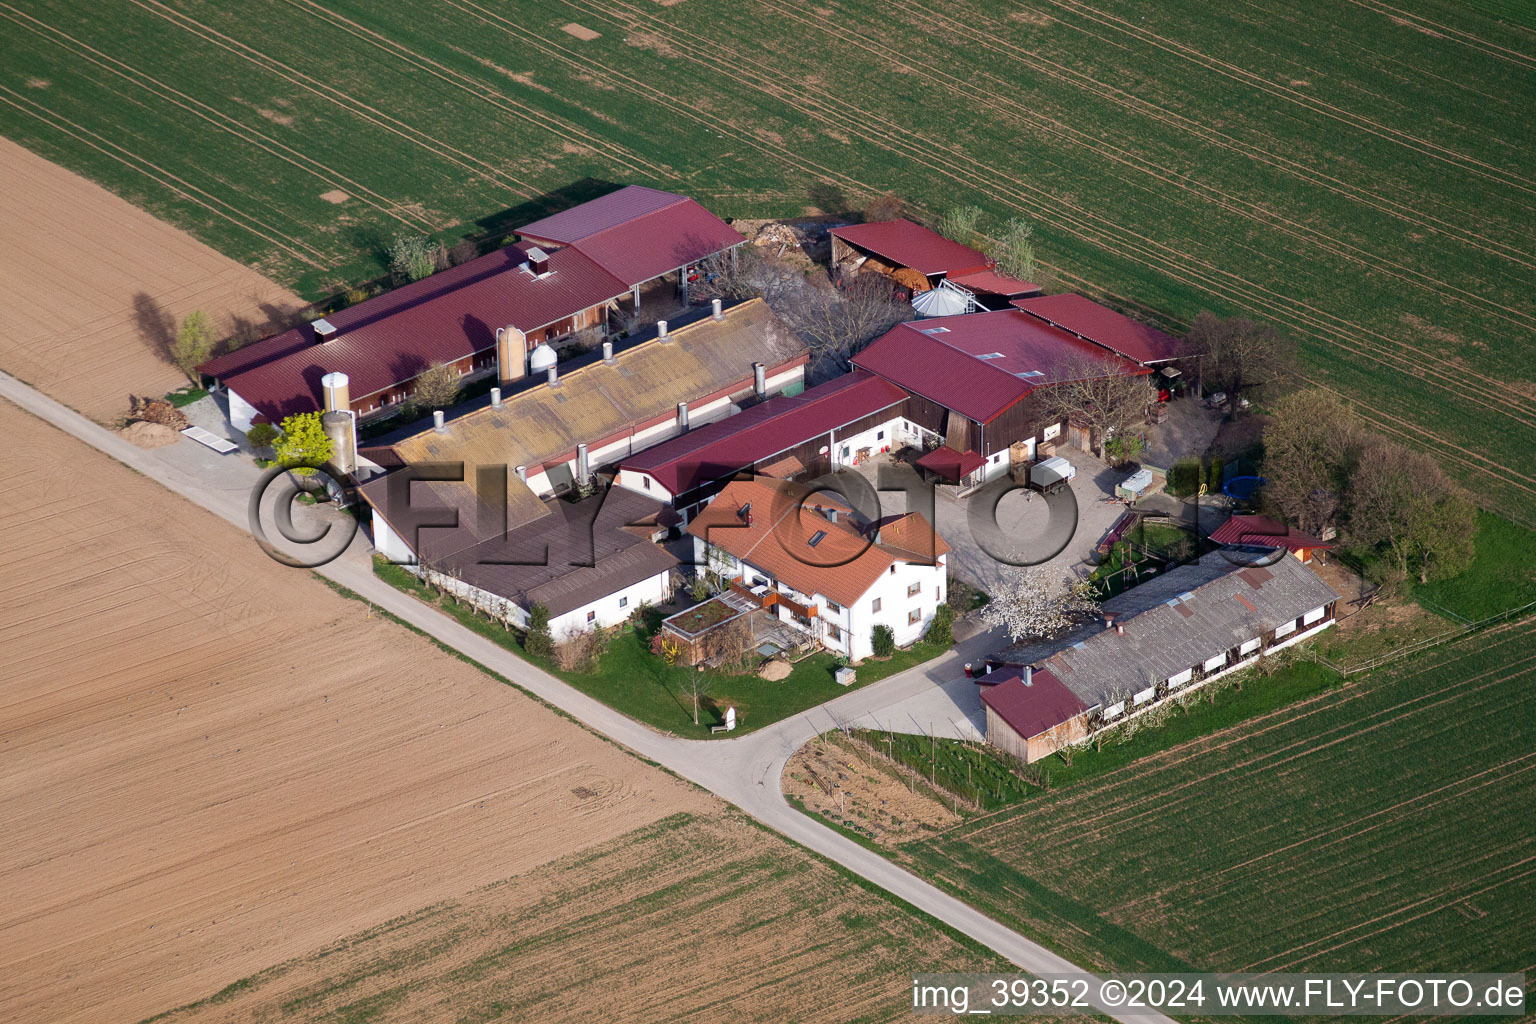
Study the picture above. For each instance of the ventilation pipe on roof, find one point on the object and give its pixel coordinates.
(760, 379)
(661, 330)
(1029, 675)
(496, 398)
(538, 261)
(608, 352)
(583, 466)
(324, 330)
(552, 375)
(437, 421)
(718, 313)
(682, 417)
(522, 473)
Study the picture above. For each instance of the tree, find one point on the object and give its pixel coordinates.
(1031, 604)
(413, 257)
(193, 344)
(1401, 502)
(886, 206)
(537, 640)
(959, 224)
(1309, 448)
(1241, 357)
(438, 386)
(1124, 447)
(1015, 250)
(882, 641)
(1102, 396)
(836, 323)
(303, 445)
(261, 435)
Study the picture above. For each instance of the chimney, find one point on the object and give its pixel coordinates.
(1029, 675)
(437, 421)
(496, 398)
(522, 473)
(552, 375)
(608, 352)
(717, 313)
(511, 354)
(831, 515)
(661, 330)
(760, 379)
(1109, 619)
(324, 330)
(583, 467)
(538, 261)
(682, 417)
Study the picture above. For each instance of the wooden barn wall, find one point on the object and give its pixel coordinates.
(1018, 423)
(927, 414)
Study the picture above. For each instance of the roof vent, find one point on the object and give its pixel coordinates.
(324, 330)
(1030, 373)
(538, 261)
(661, 330)
(989, 355)
(933, 330)
(1029, 675)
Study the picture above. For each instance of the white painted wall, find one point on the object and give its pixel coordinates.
(387, 543)
(241, 412)
(613, 609)
(894, 437)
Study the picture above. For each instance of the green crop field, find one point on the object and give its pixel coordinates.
(1359, 174)
(1381, 825)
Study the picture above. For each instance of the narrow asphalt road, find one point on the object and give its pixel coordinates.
(743, 770)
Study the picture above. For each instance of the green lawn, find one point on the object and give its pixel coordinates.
(1316, 166)
(629, 678)
(1502, 575)
(1293, 825)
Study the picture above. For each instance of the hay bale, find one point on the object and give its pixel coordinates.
(149, 435)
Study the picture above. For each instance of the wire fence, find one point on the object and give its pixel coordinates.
(1468, 627)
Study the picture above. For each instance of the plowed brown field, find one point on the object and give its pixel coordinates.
(93, 288)
(212, 763)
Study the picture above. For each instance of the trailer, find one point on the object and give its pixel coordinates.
(1051, 475)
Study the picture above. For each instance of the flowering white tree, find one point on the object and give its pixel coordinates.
(1031, 604)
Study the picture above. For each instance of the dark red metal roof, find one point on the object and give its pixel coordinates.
(1264, 532)
(637, 233)
(979, 364)
(990, 282)
(720, 449)
(387, 340)
(1103, 326)
(911, 245)
(1033, 709)
(950, 464)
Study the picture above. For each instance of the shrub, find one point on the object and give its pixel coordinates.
(1213, 477)
(883, 641)
(1184, 478)
(537, 641)
(413, 257)
(579, 649)
(303, 445)
(941, 629)
(261, 435)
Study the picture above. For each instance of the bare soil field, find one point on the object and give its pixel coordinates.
(213, 764)
(692, 918)
(842, 780)
(93, 289)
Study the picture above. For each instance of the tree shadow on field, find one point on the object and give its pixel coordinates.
(497, 226)
(827, 198)
(156, 326)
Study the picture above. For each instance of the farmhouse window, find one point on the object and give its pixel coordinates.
(1284, 628)
(623, 602)
(1144, 695)
(874, 605)
(1212, 664)
(1313, 615)
(914, 616)
(591, 616)
(1249, 646)
(914, 589)
(645, 480)
(834, 608)
(1181, 678)
(1113, 711)
(880, 435)
(835, 632)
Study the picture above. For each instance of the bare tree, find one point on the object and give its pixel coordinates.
(1402, 501)
(960, 224)
(886, 206)
(438, 386)
(1015, 249)
(1032, 603)
(1241, 357)
(1309, 449)
(1101, 396)
(836, 323)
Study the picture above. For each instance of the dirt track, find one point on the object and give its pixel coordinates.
(213, 763)
(92, 288)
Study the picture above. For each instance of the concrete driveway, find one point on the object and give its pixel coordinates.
(1004, 523)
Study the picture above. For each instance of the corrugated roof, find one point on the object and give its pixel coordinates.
(387, 340)
(990, 282)
(1182, 618)
(982, 363)
(906, 244)
(637, 233)
(1264, 532)
(720, 449)
(1103, 326)
(841, 565)
(1033, 708)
